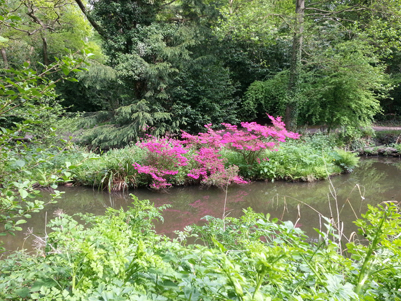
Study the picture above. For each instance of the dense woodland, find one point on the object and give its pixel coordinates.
(161, 66)
(121, 94)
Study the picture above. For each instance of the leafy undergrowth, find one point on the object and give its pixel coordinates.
(119, 257)
(309, 159)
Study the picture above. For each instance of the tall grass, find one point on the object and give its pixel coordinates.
(112, 170)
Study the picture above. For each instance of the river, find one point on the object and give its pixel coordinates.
(343, 197)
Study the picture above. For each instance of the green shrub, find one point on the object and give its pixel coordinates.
(113, 170)
(344, 159)
(118, 256)
(302, 162)
(308, 159)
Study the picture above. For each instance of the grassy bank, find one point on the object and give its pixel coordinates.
(119, 257)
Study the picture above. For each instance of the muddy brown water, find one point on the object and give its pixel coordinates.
(374, 181)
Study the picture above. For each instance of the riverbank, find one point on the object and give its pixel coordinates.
(377, 141)
(307, 159)
(380, 150)
(385, 142)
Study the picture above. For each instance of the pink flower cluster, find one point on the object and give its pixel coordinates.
(165, 156)
(211, 168)
(209, 162)
(249, 141)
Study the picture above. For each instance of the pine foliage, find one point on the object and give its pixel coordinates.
(96, 89)
(124, 125)
(97, 75)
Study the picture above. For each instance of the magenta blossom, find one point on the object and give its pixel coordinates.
(166, 156)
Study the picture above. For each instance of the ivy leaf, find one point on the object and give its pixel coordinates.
(341, 291)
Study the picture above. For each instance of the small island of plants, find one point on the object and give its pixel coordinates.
(217, 157)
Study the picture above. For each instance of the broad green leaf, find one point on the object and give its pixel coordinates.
(23, 292)
(42, 283)
(23, 193)
(20, 163)
(21, 221)
(15, 18)
(219, 245)
(237, 287)
(65, 71)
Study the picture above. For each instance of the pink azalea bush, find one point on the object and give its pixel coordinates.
(165, 156)
(249, 141)
(211, 169)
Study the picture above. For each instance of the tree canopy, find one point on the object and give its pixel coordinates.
(181, 64)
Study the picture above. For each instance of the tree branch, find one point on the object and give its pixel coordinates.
(91, 20)
(29, 33)
(331, 12)
(171, 2)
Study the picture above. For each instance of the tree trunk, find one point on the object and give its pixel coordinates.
(295, 68)
(45, 54)
(4, 55)
(96, 26)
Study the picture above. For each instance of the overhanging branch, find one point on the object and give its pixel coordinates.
(91, 20)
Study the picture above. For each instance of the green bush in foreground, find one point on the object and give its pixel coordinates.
(119, 257)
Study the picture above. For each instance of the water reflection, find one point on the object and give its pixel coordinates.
(374, 181)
